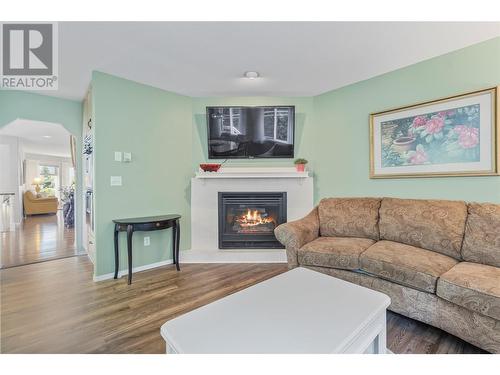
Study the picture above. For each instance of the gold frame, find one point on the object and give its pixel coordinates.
(495, 139)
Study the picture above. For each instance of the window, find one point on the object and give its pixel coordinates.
(277, 123)
(234, 114)
(226, 120)
(48, 170)
(282, 123)
(231, 121)
(50, 179)
(269, 118)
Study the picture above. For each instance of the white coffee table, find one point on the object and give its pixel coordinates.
(299, 311)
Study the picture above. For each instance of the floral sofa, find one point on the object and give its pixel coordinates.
(438, 260)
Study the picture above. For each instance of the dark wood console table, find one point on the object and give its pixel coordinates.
(144, 224)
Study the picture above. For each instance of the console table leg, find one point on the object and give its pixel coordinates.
(177, 241)
(117, 254)
(130, 231)
(174, 241)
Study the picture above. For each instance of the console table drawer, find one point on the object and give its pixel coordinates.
(148, 226)
(153, 226)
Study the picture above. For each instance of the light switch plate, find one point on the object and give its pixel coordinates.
(116, 180)
(127, 157)
(118, 156)
(147, 241)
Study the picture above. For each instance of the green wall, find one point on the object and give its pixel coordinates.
(25, 105)
(166, 134)
(341, 116)
(155, 126)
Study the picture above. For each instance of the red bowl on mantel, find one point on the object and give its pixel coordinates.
(210, 167)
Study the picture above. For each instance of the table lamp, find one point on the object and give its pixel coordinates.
(37, 181)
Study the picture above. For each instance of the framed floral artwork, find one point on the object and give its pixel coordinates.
(455, 136)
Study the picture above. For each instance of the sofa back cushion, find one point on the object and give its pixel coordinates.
(436, 225)
(482, 234)
(349, 217)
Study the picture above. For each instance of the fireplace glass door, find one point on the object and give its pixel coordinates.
(247, 220)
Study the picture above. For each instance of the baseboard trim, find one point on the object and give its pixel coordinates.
(202, 256)
(200, 261)
(233, 256)
(124, 272)
(90, 258)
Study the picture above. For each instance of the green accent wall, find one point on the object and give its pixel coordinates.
(341, 152)
(68, 113)
(166, 134)
(155, 126)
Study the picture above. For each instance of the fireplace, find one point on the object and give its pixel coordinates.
(247, 220)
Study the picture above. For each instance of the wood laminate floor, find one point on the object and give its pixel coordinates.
(55, 307)
(38, 238)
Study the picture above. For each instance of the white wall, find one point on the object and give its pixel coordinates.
(31, 172)
(8, 154)
(10, 172)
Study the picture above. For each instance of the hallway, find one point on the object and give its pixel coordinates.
(38, 238)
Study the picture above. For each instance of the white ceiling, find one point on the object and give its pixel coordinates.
(293, 58)
(33, 141)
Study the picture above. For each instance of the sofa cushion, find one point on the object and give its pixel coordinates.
(405, 264)
(482, 234)
(473, 286)
(335, 252)
(436, 225)
(349, 217)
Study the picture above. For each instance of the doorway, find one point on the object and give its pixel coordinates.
(37, 221)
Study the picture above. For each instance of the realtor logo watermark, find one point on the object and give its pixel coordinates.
(29, 56)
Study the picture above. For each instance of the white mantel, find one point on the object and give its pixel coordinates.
(205, 187)
(254, 172)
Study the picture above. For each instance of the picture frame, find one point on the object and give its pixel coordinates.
(453, 136)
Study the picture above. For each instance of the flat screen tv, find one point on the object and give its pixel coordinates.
(251, 132)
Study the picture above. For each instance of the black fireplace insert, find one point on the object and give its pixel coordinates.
(247, 220)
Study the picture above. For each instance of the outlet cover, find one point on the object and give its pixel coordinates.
(147, 241)
(127, 157)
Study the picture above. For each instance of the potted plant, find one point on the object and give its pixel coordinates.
(300, 164)
(403, 144)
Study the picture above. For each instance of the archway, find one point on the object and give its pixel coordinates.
(39, 174)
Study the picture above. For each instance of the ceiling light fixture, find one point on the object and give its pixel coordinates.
(46, 136)
(251, 75)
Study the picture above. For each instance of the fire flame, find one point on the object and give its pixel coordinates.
(253, 218)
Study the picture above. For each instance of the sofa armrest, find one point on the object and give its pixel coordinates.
(296, 234)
